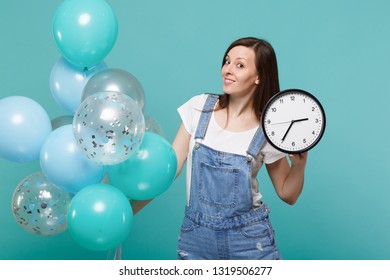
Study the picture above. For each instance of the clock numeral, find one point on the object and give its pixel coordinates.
(304, 140)
(273, 133)
(293, 144)
(273, 109)
(281, 101)
(313, 109)
(317, 121)
(314, 133)
(292, 98)
(304, 100)
(268, 121)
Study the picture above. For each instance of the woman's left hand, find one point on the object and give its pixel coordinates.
(299, 160)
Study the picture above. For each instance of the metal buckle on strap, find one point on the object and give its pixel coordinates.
(249, 158)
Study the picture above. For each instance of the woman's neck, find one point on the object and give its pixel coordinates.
(240, 106)
(238, 115)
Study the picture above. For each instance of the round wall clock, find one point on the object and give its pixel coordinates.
(293, 121)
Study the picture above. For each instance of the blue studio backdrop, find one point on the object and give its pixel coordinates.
(336, 49)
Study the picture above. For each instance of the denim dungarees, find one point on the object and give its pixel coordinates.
(220, 222)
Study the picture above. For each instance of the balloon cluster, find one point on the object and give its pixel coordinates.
(94, 160)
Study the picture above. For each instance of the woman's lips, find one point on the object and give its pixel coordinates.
(228, 81)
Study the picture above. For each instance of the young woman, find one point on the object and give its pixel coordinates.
(221, 139)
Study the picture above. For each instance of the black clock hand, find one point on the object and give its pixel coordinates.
(300, 120)
(288, 129)
(292, 122)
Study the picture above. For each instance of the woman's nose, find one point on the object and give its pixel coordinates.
(228, 69)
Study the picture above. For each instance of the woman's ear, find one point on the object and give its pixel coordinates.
(257, 81)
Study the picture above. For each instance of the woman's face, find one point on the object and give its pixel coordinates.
(239, 73)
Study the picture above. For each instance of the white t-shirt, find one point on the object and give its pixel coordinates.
(223, 140)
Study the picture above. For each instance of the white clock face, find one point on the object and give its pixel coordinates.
(293, 121)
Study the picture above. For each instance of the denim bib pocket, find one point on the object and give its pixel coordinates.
(218, 185)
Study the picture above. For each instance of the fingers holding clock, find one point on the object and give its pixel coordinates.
(299, 159)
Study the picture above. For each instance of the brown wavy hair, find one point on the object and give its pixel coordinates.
(267, 68)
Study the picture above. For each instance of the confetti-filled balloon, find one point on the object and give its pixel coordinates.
(39, 207)
(109, 127)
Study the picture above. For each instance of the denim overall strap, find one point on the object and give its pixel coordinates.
(205, 116)
(256, 144)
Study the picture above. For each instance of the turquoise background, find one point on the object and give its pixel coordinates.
(336, 49)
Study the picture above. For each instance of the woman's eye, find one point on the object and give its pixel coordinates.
(240, 65)
(227, 62)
